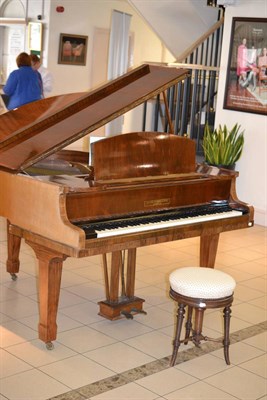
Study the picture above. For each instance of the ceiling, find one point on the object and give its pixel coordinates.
(178, 23)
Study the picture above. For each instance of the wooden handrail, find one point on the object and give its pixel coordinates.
(184, 65)
(202, 38)
(193, 66)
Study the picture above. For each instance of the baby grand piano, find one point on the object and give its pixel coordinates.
(144, 188)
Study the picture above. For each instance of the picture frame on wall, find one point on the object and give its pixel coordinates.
(35, 37)
(72, 49)
(246, 79)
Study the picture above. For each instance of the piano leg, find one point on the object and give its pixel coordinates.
(50, 271)
(116, 266)
(116, 306)
(13, 249)
(208, 249)
(131, 272)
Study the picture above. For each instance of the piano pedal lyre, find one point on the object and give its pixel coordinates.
(124, 307)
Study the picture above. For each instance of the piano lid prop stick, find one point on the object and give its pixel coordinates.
(168, 113)
(105, 266)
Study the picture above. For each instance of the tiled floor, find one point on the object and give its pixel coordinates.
(98, 359)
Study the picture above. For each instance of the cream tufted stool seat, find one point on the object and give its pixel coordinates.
(197, 289)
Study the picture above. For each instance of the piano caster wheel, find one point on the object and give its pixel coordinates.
(127, 315)
(49, 346)
(13, 277)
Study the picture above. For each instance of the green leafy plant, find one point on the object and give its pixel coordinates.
(223, 146)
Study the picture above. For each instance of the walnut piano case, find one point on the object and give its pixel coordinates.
(147, 180)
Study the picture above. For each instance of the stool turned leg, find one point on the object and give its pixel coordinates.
(197, 331)
(226, 340)
(188, 325)
(176, 342)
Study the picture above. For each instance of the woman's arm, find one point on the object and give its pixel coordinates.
(11, 84)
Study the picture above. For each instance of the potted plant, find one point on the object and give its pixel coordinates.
(223, 147)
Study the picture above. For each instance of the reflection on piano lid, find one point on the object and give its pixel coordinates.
(39, 129)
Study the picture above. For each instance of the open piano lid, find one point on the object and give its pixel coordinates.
(39, 129)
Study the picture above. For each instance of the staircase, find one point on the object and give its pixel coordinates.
(177, 23)
(192, 103)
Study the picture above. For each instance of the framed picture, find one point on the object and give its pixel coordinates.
(72, 49)
(246, 81)
(35, 36)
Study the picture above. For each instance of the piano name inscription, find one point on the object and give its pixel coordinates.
(157, 202)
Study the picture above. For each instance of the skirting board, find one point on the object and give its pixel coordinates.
(260, 217)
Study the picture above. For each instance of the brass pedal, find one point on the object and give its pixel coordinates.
(127, 315)
(137, 311)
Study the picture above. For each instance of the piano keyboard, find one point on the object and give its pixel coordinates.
(160, 220)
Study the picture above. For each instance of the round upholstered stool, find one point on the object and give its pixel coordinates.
(197, 289)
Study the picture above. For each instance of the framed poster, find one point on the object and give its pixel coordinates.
(72, 49)
(246, 80)
(35, 36)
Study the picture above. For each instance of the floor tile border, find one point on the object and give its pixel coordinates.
(104, 385)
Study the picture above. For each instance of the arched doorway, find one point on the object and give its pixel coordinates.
(12, 35)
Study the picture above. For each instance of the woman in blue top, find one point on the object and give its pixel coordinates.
(23, 85)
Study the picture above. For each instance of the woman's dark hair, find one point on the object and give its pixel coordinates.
(23, 60)
(34, 58)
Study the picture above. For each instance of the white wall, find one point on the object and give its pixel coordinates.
(179, 23)
(82, 18)
(251, 184)
(27, 11)
(86, 17)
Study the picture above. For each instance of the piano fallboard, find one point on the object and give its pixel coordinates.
(109, 200)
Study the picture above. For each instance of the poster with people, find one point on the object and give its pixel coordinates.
(246, 82)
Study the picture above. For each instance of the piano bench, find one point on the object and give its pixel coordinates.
(199, 289)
